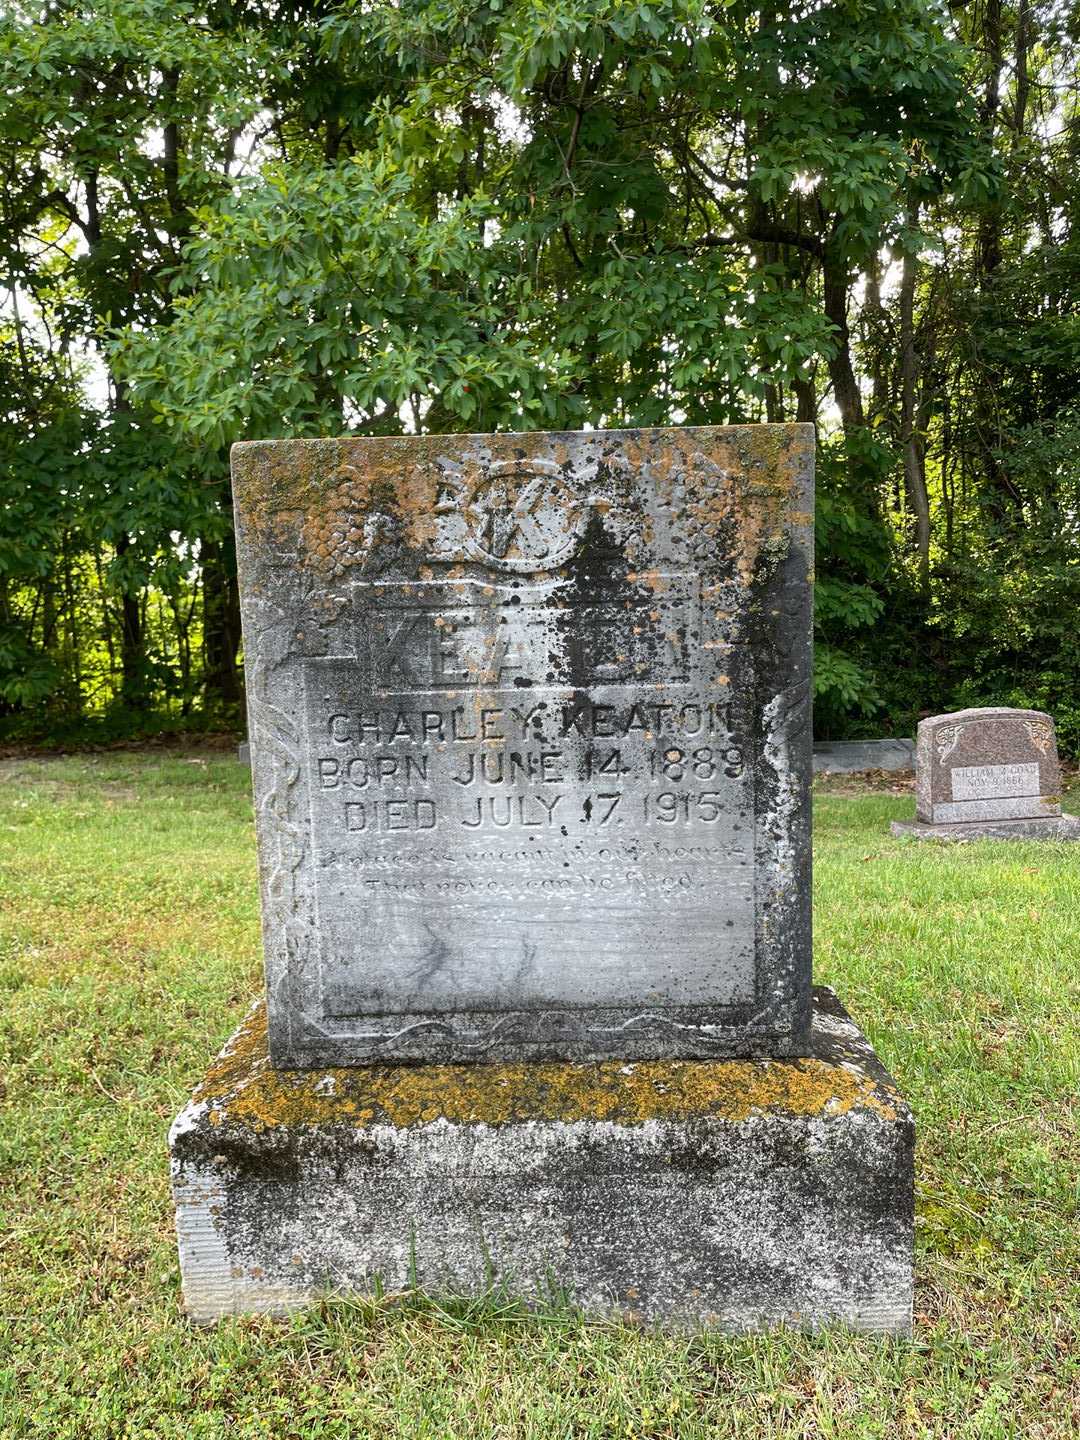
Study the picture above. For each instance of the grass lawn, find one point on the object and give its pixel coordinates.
(128, 950)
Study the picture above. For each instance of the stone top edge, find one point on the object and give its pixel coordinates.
(802, 428)
(840, 1075)
(984, 712)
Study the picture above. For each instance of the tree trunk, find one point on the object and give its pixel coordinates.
(806, 401)
(221, 623)
(1023, 79)
(71, 609)
(990, 221)
(1005, 503)
(6, 706)
(841, 371)
(911, 441)
(132, 661)
(876, 331)
(915, 485)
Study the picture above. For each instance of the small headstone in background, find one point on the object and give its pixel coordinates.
(988, 773)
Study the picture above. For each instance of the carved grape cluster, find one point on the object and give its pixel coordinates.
(362, 517)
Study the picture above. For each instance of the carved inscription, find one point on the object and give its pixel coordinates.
(464, 635)
(514, 764)
(984, 782)
(609, 817)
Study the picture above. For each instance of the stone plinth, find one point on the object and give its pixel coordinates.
(1054, 827)
(738, 1194)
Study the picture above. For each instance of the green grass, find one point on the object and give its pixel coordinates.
(129, 948)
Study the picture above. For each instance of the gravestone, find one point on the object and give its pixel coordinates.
(988, 773)
(518, 700)
(529, 727)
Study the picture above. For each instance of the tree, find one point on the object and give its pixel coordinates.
(376, 217)
(599, 213)
(119, 120)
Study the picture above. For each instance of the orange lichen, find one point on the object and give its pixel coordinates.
(335, 501)
(242, 1086)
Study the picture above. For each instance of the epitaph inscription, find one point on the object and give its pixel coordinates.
(987, 764)
(529, 718)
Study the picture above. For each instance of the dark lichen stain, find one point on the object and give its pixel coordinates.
(242, 1088)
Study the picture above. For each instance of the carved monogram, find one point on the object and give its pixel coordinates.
(524, 517)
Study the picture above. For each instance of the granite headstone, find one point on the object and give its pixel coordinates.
(529, 724)
(990, 772)
(989, 764)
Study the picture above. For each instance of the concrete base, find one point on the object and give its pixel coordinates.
(1056, 827)
(738, 1194)
(850, 757)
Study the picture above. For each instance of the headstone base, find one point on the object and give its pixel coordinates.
(737, 1194)
(852, 757)
(1055, 827)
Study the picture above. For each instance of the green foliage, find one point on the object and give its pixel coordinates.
(436, 216)
(529, 230)
(40, 439)
(853, 559)
(333, 291)
(118, 120)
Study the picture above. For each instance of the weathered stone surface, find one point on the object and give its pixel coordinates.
(531, 753)
(733, 1193)
(986, 764)
(849, 757)
(1055, 827)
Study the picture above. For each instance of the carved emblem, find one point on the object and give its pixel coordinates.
(947, 738)
(524, 516)
(1040, 733)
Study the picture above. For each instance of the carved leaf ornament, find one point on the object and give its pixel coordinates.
(948, 738)
(1040, 734)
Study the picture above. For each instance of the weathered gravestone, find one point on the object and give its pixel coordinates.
(988, 773)
(529, 718)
